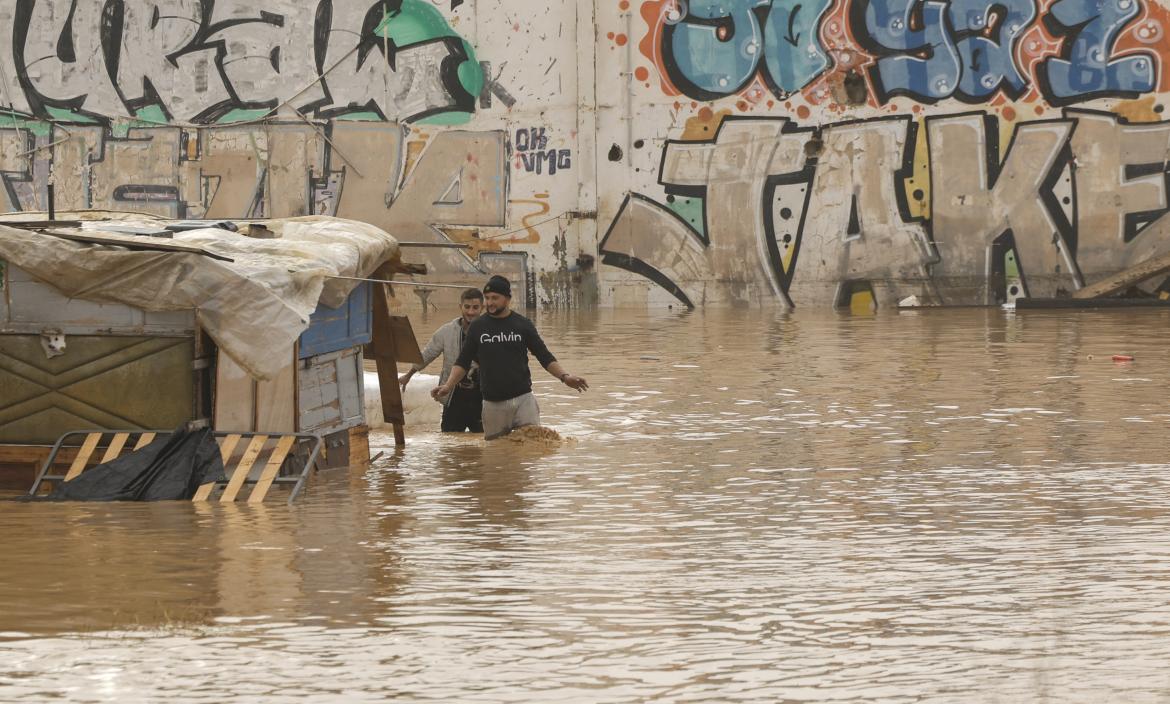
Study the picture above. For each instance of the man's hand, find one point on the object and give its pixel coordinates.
(576, 382)
(405, 379)
(439, 392)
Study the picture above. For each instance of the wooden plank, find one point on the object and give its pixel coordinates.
(1119, 282)
(115, 447)
(242, 469)
(83, 455)
(436, 245)
(235, 395)
(1088, 304)
(406, 347)
(144, 440)
(276, 406)
(41, 224)
(393, 336)
(20, 465)
(151, 244)
(271, 469)
(226, 448)
(359, 446)
(413, 269)
(392, 410)
(385, 354)
(25, 454)
(350, 386)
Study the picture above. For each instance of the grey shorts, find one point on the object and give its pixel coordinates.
(502, 417)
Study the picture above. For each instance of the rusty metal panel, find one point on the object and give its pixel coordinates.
(31, 306)
(98, 382)
(331, 392)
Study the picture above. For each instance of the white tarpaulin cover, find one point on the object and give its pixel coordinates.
(254, 307)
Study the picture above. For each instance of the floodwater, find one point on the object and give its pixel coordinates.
(943, 506)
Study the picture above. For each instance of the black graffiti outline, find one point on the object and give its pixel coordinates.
(37, 103)
(900, 175)
(803, 175)
(1136, 223)
(994, 160)
(27, 176)
(679, 79)
(1069, 37)
(202, 42)
(462, 100)
(638, 266)
(860, 32)
(775, 259)
(684, 84)
(806, 174)
(699, 192)
(857, 23)
(1065, 223)
(208, 38)
(762, 66)
(1003, 85)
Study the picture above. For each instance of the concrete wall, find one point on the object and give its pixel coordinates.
(741, 152)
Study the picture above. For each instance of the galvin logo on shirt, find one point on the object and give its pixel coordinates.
(501, 337)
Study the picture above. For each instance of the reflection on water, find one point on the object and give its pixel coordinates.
(954, 506)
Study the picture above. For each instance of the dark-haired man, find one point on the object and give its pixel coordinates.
(461, 409)
(500, 342)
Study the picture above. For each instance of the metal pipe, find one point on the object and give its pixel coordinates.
(436, 245)
(398, 283)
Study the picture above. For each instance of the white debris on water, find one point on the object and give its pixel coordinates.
(421, 409)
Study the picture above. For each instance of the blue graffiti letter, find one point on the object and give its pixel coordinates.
(794, 57)
(1085, 72)
(987, 62)
(922, 63)
(716, 48)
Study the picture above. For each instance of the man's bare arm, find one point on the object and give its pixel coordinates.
(457, 374)
(574, 382)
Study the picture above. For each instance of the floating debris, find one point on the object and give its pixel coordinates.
(536, 433)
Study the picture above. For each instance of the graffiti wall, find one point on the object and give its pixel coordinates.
(820, 153)
(836, 152)
(390, 111)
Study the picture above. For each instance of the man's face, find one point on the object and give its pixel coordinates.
(497, 303)
(472, 307)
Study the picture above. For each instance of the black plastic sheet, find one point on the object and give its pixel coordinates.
(168, 469)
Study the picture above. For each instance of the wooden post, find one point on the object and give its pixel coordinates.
(385, 358)
(393, 342)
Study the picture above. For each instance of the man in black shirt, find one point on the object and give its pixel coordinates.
(500, 341)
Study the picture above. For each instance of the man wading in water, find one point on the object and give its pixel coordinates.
(461, 409)
(500, 341)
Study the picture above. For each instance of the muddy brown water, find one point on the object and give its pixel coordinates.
(950, 506)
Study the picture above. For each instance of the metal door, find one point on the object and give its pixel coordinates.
(98, 382)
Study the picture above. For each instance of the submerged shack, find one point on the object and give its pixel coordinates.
(145, 324)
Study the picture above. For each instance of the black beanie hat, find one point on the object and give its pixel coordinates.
(500, 285)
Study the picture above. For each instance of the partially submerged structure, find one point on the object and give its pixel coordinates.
(144, 324)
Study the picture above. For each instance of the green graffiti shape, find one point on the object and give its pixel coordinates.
(417, 21)
(691, 211)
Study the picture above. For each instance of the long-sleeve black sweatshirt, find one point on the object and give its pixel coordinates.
(501, 346)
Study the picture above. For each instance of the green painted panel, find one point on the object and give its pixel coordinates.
(100, 382)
